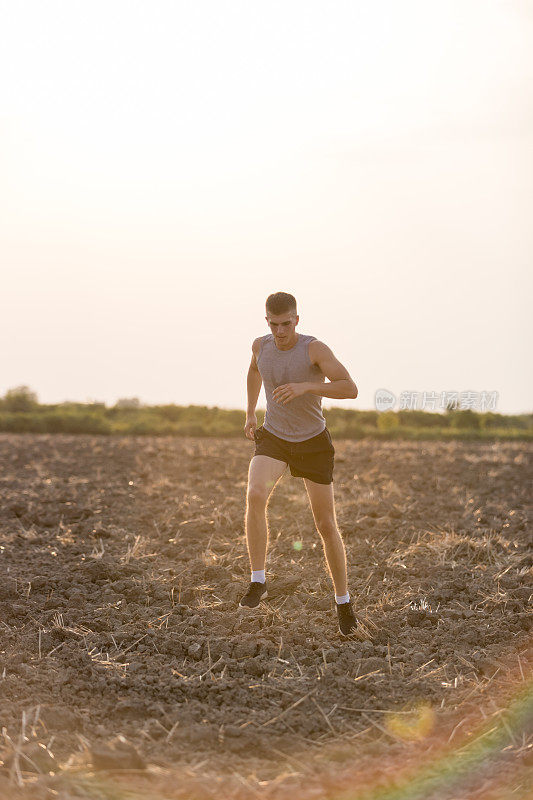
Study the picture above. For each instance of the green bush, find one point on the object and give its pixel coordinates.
(388, 421)
(351, 431)
(465, 419)
(224, 427)
(422, 419)
(190, 429)
(21, 423)
(20, 399)
(168, 412)
(74, 422)
(150, 427)
(490, 420)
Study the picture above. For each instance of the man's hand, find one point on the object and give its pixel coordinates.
(288, 391)
(250, 426)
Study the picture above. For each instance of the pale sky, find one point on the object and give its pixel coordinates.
(165, 166)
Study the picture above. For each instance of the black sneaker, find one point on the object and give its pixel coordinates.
(256, 592)
(348, 622)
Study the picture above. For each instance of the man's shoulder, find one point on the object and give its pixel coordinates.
(317, 348)
(256, 344)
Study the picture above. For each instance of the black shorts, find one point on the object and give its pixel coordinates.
(313, 458)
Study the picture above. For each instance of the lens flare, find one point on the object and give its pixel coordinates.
(415, 728)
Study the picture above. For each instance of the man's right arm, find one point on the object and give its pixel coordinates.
(253, 385)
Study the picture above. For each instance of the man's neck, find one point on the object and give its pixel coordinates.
(288, 345)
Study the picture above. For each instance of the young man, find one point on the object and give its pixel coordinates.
(293, 368)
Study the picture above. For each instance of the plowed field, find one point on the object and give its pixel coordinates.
(121, 564)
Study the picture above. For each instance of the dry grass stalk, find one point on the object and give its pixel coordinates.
(290, 708)
(98, 552)
(15, 747)
(134, 550)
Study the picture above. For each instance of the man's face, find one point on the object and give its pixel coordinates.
(282, 325)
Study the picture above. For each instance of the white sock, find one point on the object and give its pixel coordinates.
(343, 598)
(258, 576)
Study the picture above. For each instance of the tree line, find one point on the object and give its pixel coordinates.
(21, 412)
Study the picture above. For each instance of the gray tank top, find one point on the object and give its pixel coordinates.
(301, 418)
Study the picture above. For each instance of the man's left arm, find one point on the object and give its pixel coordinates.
(341, 385)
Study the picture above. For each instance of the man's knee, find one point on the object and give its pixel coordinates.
(257, 497)
(327, 527)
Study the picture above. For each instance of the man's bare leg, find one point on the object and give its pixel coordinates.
(263, 474)
(323, 508)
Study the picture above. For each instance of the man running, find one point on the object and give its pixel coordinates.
(293, 366)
